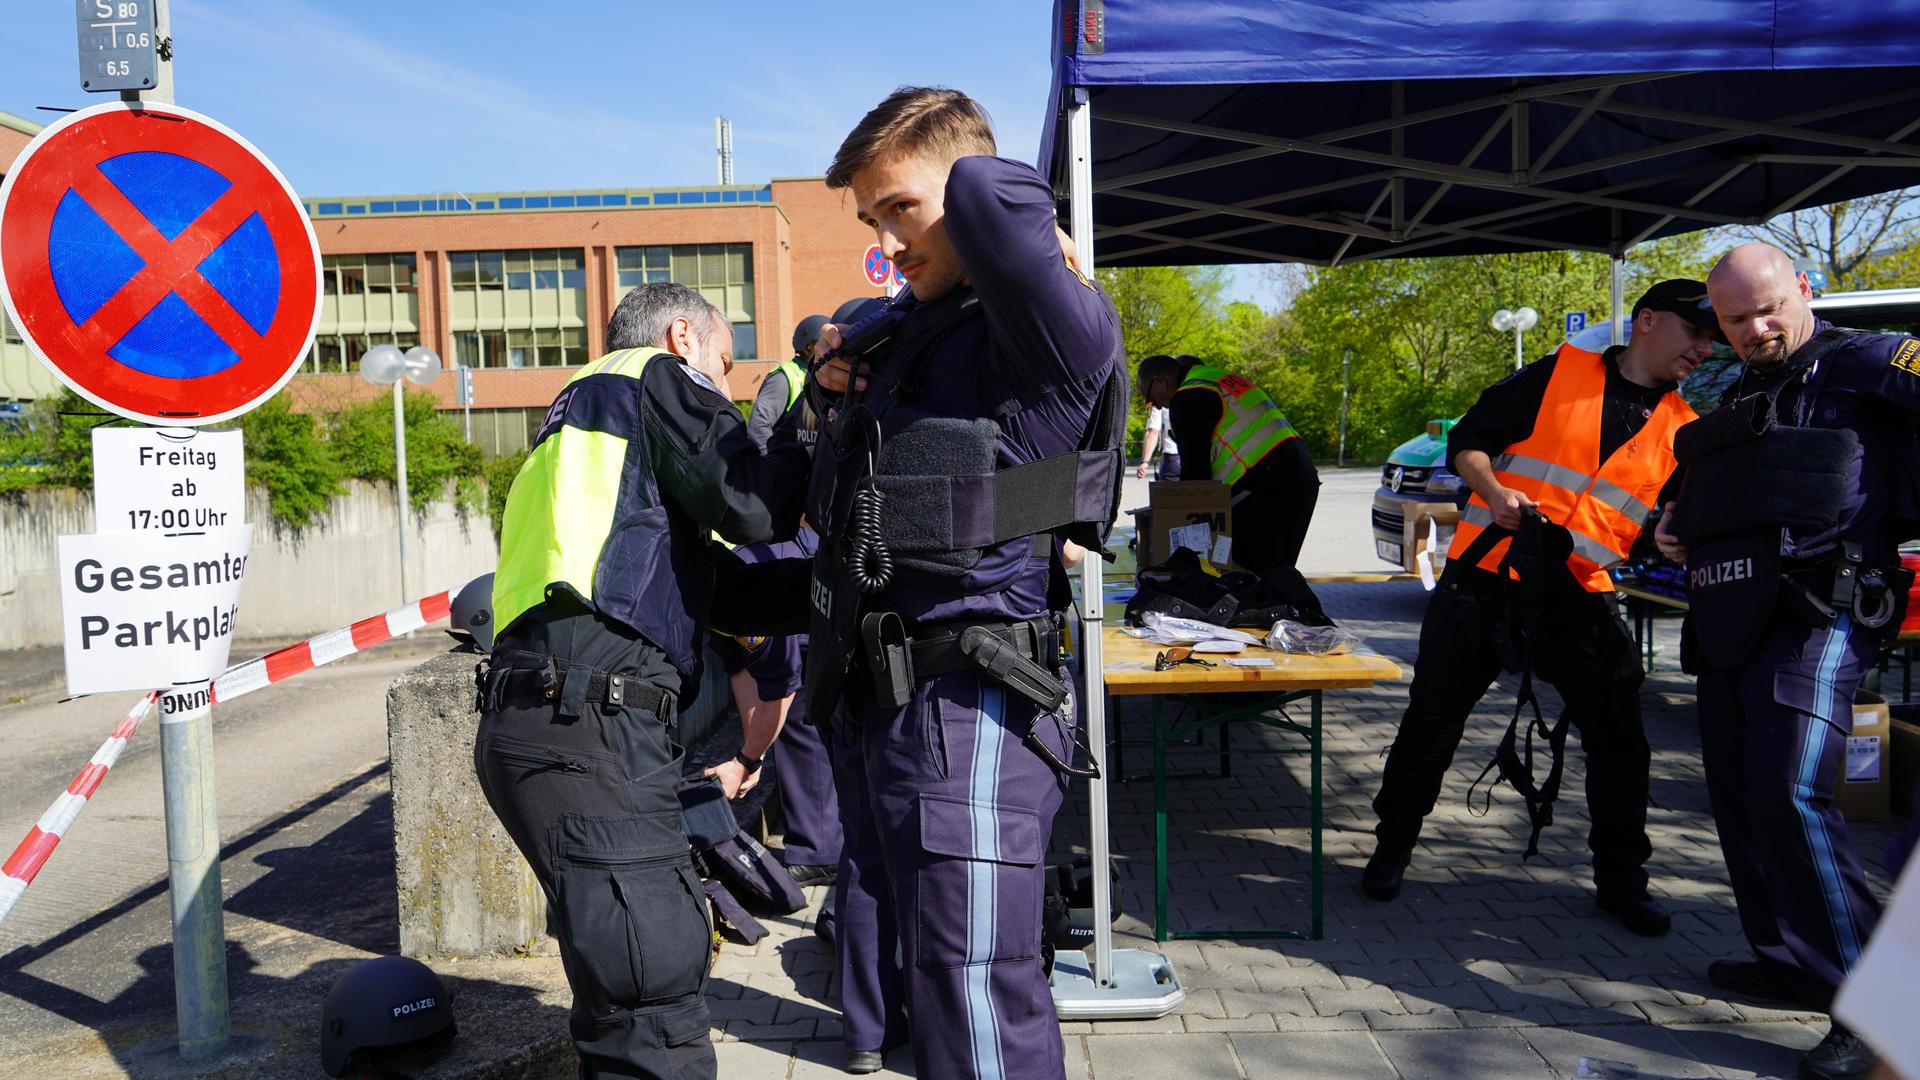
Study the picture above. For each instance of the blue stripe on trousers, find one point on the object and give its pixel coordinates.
(982, 918)
(1846, 935)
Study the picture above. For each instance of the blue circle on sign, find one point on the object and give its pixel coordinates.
(90, 262)
(877, 266)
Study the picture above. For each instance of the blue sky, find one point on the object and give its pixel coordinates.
(353, 97)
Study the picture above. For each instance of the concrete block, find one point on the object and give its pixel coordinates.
(464, 889)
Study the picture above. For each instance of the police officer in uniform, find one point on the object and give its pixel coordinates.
(606, 578)
(783, 385)
(1585, 441)
(935, 630)
(765, 672)
(1250, 447)
(1798, 490)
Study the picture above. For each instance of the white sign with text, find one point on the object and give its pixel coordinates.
(172, 479)
(141, 610)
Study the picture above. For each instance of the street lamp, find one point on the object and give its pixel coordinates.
(1519, 322)
(384, 365)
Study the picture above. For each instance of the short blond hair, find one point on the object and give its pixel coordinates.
(930, 121)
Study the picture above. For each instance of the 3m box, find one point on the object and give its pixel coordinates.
(1904, 750)
(1865, 782)
(1414, 528)
(1187, 505)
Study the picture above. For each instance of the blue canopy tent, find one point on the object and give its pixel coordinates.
(1329, 131)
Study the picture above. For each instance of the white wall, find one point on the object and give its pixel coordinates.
(343, 568)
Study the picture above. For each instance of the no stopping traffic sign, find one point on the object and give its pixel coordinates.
(158, 263)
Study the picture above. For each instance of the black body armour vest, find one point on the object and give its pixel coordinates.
(900, 485)
(1752, 473)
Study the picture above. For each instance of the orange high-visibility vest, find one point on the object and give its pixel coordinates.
(1603, 504)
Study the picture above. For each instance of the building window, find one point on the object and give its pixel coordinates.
(540, 268)
(352, 275)
(520, 308)
(339, 354)
(723, 273)
(505, 431)
(539, 347)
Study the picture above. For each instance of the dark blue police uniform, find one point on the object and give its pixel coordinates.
(1774, 721)
(958, 805)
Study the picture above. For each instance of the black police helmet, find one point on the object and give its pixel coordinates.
(1067, 908)
(472, 612)
(381, 1004)
(807, 333)
(856, 309)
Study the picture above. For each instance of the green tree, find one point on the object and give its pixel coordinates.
(500, 472)
(1165, 309)
(362, 440)
(54, 447)
(1419, 337)
(287, 456)
(1866, 243)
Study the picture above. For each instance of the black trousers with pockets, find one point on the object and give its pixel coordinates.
(589, 799)
(1588, 655)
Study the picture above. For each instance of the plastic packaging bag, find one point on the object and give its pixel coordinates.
(1172, 630)
(1293, 637)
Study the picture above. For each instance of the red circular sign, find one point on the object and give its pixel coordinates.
(877, 268)
(158, 263)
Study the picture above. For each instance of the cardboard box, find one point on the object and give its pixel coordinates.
(1865, 781)
(1413, 533)
(1904, 749)
(1184, 504)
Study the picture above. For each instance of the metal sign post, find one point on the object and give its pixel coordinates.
(166, 271)
(1346, 369)
(463, 393)
(186, 762)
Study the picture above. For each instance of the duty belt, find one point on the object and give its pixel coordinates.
(1840, 584)
(571, 686)
(1022, 656)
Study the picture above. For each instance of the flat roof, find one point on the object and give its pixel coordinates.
(486, 202)
(19, 124)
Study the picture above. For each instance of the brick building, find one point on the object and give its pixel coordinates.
(22, 378)
(518, 285)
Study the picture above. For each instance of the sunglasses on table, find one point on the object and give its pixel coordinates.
(1176, 656)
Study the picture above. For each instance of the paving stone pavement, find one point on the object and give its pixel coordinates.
(1486, 966)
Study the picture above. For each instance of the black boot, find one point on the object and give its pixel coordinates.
(1382, 878)
(1840, 1055)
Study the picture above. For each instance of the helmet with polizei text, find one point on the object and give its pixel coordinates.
(382, 1008)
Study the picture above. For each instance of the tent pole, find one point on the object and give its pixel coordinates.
(1100, 982)
(1093, 700)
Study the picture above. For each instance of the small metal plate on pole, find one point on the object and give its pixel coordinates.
(119, 49)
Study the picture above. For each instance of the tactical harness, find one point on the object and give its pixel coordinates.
(1538, 548)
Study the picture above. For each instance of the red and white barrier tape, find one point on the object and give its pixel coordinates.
(31, 855)
(325, 648)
